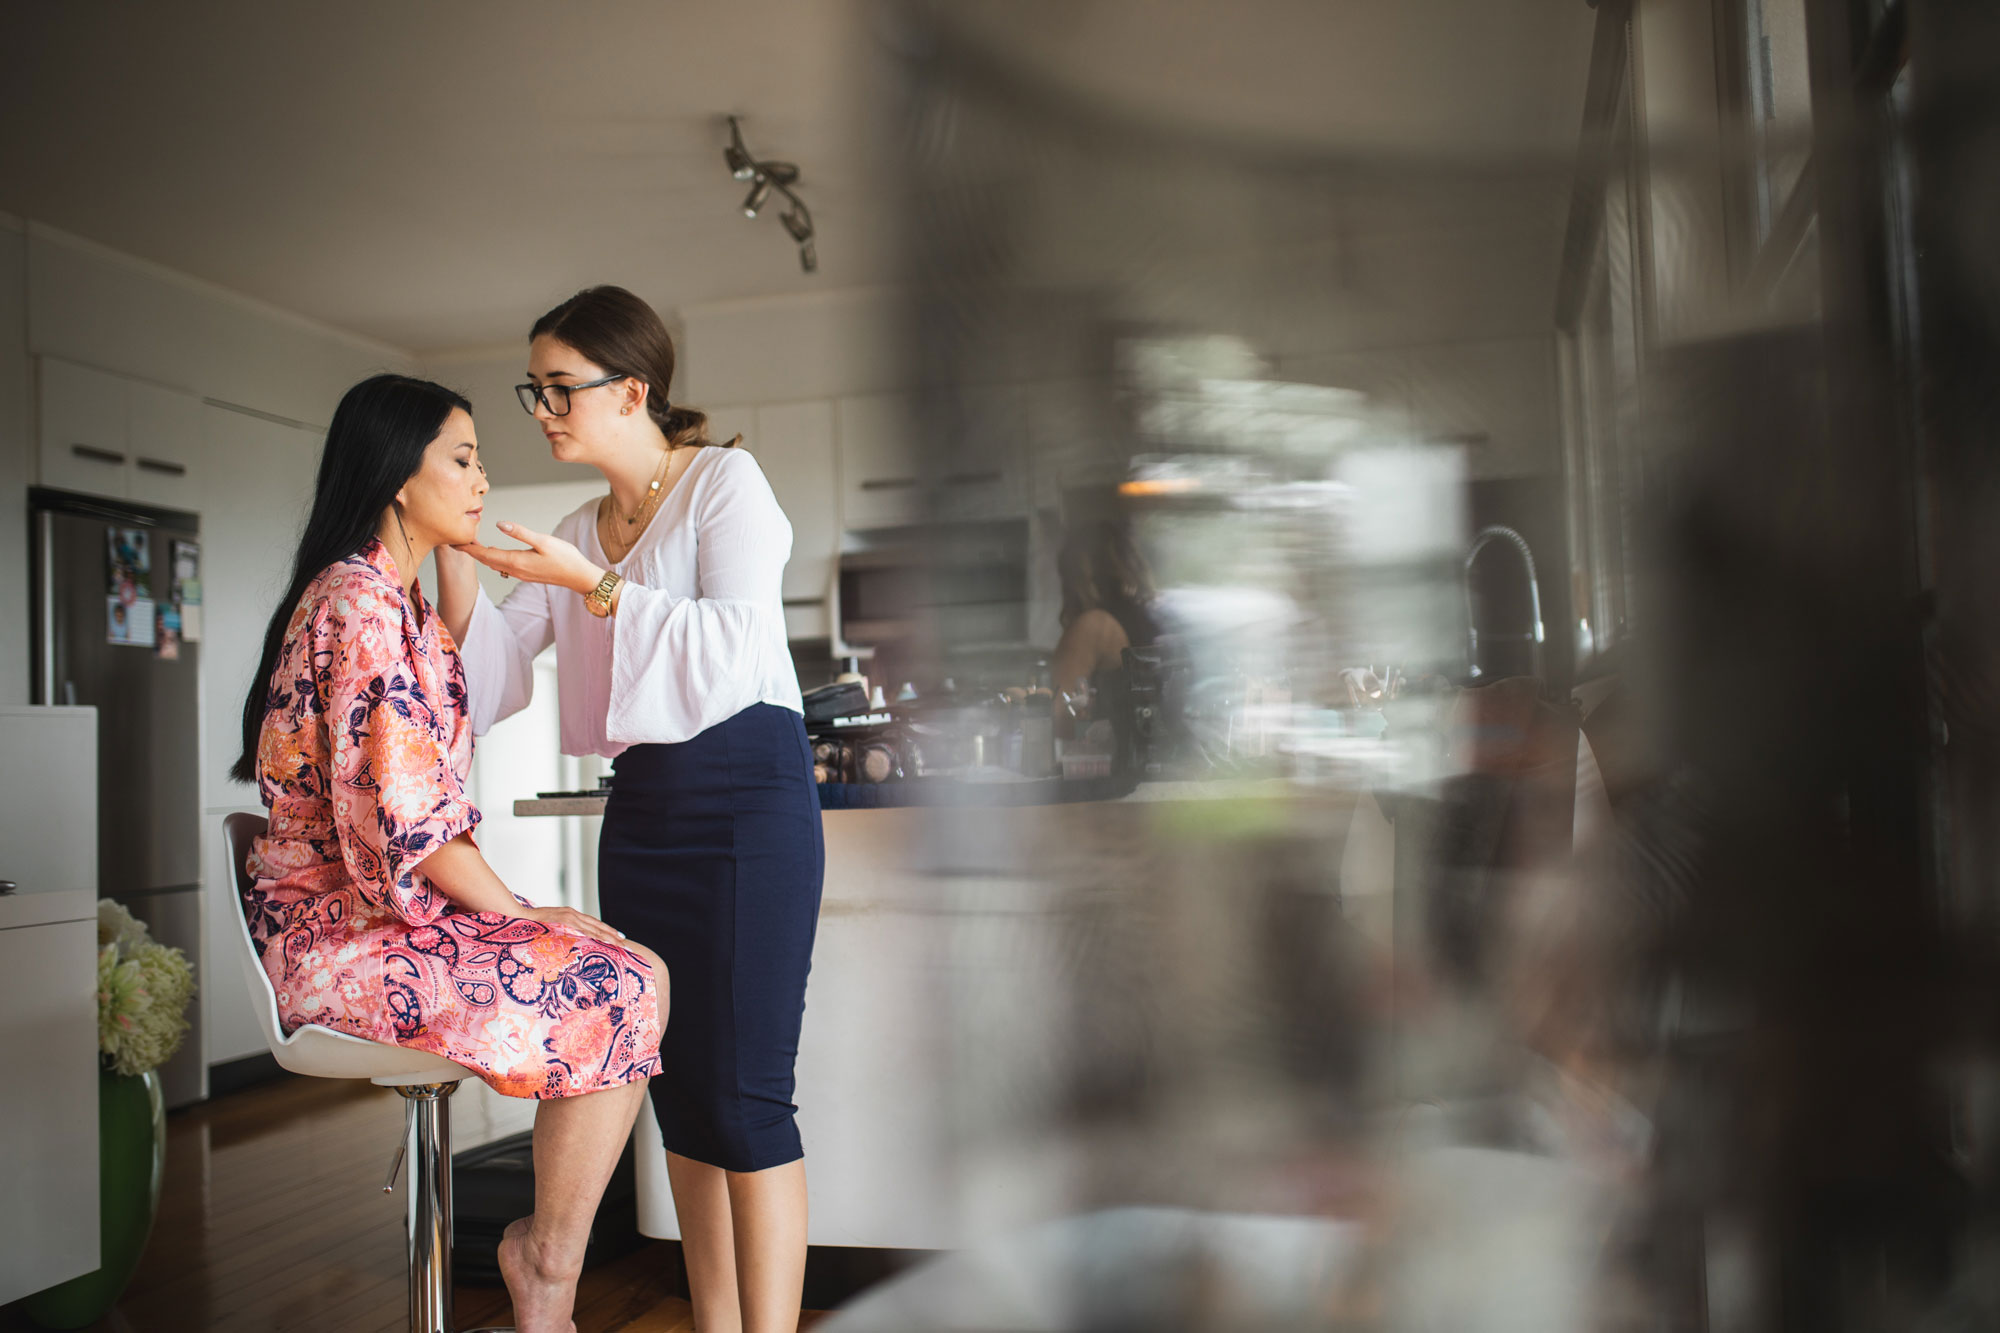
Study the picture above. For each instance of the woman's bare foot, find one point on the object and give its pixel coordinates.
(543, 1298)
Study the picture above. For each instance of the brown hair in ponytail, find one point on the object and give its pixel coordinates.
(615, 329)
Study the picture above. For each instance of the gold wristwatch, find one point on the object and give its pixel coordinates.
(598, 600)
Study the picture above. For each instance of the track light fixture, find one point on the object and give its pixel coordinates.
(769, 176)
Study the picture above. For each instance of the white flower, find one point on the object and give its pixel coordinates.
(116, 925)
(406, 794)
(142, 993)
(512, 1039)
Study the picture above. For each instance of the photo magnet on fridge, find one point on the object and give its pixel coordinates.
(128, 585)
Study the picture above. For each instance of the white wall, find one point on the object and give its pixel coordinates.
(93, 305)
(510, 443)
(1495, 396)
(784, 349)
(251, 515)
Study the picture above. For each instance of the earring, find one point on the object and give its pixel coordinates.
(624, 411)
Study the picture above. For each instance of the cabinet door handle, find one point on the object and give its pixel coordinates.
(163, 467)
(96, 455)
(888, 483)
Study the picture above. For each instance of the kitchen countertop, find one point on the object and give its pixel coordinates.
(947, 793)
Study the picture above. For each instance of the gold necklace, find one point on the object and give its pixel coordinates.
(652, 494)
(608, 534)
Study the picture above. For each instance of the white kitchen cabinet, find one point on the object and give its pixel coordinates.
(48, 997)
(793, 443)
(164, 435)
(881, 468)
(48, 1168)
(103, 434)
(981, 474)
(84, 426)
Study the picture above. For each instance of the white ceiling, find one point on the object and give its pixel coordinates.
(1456, 80)
(433, 175)
(436, 174)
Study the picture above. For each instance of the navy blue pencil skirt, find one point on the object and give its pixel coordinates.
(712, 856)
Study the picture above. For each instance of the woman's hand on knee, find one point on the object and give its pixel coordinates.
(579, 923)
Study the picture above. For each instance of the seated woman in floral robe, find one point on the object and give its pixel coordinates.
(362, 761)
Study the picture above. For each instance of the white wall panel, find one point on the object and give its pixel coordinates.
(99, 308)
(510, 442)
(252, 510)
(782, 350)
(793, 443)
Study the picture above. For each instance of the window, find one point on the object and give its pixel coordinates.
(1602, 339)
(1777, 106)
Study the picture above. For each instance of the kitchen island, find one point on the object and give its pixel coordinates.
(958, 948)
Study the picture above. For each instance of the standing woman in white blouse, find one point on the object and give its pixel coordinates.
(663, 599)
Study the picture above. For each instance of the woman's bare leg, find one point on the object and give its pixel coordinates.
(743, 1239)
(708, 1246)
(767, 1210)
(577, 1143)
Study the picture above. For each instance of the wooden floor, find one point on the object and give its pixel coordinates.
(273, 1218)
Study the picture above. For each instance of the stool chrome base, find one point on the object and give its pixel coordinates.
(427, 1126)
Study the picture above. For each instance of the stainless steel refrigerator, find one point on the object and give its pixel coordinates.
(117, 627)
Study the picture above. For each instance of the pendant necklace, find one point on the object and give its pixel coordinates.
(652, 491)
(623, 540)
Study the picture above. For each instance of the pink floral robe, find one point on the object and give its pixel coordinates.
(362, 763)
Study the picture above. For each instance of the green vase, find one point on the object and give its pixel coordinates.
(132, 1155)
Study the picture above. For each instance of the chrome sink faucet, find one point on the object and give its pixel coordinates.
(1533, 634)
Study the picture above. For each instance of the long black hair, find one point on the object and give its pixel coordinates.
(375, 444)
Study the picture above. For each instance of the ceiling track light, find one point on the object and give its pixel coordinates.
(769, 177)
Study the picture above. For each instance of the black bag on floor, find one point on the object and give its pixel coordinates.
(493, 1184)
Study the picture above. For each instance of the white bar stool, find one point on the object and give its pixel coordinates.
(423, 1080)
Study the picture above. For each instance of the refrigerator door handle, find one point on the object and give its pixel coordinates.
(45, 551)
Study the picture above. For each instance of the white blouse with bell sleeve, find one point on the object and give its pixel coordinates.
(698, 637)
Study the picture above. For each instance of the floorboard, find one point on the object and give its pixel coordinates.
(272, 1219)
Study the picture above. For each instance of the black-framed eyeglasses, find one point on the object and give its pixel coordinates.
(555, 397)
